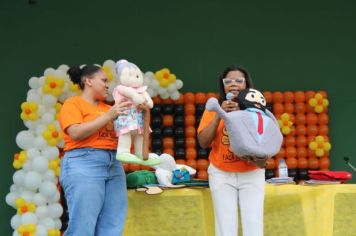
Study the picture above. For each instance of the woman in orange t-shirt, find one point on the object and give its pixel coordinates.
(233, 182)
(93, 181)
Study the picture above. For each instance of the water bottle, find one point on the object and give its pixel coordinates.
(283, 169)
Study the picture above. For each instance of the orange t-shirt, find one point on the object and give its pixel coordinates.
(76, 110)
(221, 155)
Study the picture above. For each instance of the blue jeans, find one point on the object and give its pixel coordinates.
(94, 185)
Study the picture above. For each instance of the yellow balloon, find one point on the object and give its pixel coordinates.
(164, 83)
(319, 152)
(312, 102)
(52, 142)
(325, 102)
(285, 117)
(19, 202)
(286, 130)
(60, 82)
(172, 78)
(318, 109)
(47, 134)
(327, 146)
(17, 164)
(318, 96)
(24, 105)
(23, 116)
(46, 89)
(21, 229)
(319, 139)
(313, 145)
(33, 106)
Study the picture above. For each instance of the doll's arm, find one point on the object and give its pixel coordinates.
(148, 99)
(132, 94)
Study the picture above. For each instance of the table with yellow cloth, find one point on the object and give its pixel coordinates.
(289, 210)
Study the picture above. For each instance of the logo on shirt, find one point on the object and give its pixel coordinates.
(108, 131)
(229, 156)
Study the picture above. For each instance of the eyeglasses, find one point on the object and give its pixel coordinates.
(228, 81)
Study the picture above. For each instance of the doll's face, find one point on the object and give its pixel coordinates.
(251, 98)
(131, 77)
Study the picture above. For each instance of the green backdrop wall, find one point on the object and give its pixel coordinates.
(286, 45)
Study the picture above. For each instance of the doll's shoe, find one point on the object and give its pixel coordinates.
(151, 162)
(129, 158)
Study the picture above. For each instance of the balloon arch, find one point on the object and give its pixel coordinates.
(34, 192)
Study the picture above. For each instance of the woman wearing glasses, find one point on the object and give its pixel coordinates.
(233, 182)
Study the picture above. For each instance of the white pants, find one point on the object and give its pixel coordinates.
(230, 190)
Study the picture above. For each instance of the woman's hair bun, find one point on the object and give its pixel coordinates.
(75, 74)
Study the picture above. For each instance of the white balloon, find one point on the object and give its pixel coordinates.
(42, 212)
(15, 233)
(32, 180)
(39, 199)
(25, 139)
(63, 68)
(41, 230)
(48, 189)
(175, 95)
(150, 74)
(109, 63)
(151, 92)
(41, 109)
(154, 84)
(32, 124)
(17, 189)
(27, 195)
(29, 218)
(13, 188)
(55, 198)
(165, 95)
(51, 153)
(49, 176)
(27, 166)
(40, 129)
(11, 199)
(146, 81)
(57, 224)
(59, 73)
(40, 164)
(32, 153)
(179, 84)
(40, 143)
(33, 96)
(49, 100)
(51, 111)
(162, 91)
(55, 210)
(171, 88)
(57, 125)
(47, 222)
(33, 82)
(41, 81)
(19, 177)
(49, 71)
(15, 221)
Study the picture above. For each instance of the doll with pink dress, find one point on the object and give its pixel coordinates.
(129, 126)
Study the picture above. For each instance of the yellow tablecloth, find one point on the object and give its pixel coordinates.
(328, 210)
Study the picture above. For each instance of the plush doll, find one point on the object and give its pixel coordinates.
(167, 167)
(129, 126)
(253, 131)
